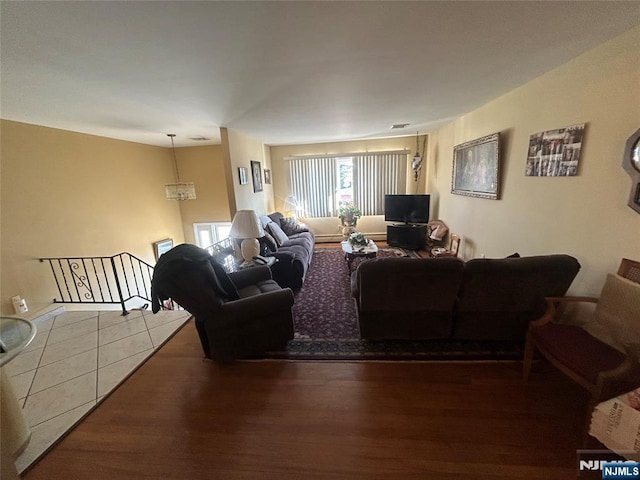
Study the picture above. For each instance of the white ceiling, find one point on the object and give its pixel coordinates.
(284, 72)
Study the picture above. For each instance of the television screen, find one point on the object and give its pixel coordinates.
(406, 208)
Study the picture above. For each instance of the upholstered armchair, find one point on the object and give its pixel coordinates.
(602, 355)
(237, 315)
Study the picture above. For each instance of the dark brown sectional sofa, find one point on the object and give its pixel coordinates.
(446, 298)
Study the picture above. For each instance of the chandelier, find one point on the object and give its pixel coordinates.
(179, 190)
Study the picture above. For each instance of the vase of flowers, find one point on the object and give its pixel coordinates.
(358, 241)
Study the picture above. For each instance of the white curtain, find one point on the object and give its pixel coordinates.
(374, 176)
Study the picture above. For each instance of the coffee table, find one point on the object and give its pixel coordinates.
(370, 251)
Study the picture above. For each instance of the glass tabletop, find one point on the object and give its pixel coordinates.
(15, 335)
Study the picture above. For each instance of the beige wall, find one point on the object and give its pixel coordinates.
(328, 229)
(239, 150)
(70, 194)
(587, 215)
(205, 167)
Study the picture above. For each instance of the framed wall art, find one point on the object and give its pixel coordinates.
(256, 173)
(555, 153)
(476, 168)
(162, 246)
(242, 175)
(267, 176)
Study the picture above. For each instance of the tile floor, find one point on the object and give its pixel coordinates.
(77, 358)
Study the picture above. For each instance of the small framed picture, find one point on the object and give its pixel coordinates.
(242, 175)
(267, 176)
(256, 173)
(162, 246)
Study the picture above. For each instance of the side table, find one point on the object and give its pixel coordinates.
(270, 261)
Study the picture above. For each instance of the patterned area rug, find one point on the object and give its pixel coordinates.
(326, 326)
(323, 307)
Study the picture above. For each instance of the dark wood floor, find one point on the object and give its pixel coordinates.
(179, 417)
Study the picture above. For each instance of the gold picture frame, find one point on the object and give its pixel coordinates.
(476, 168)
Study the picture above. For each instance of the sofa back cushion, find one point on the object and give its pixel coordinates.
(290, 226)
(276, 217)
(407, 298)
(499, 297)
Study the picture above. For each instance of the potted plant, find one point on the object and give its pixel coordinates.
(348, 214)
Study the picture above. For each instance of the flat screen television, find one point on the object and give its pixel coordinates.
(406, 208)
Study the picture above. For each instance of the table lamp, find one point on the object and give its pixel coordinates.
(247, 226)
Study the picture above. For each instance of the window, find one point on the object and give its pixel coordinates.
(206, 234)
(344, 192)
(321, 183)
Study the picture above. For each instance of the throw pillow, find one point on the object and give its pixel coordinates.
(229, 290)
(268, 242)
(289, 225)
(617, 311)
(265, 220)
(277, 233)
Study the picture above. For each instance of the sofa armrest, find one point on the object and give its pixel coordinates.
(283, 257)
(355, 287)
(250, 276)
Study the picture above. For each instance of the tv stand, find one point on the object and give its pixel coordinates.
(409, 236)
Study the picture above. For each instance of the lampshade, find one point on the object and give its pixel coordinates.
(179, 190)
(247, 226)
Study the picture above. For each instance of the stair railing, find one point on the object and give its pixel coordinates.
(101, 280)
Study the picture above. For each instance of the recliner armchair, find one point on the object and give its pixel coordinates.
(237, 315)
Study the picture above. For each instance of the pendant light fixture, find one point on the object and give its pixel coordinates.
(179, 190)
(416, 163)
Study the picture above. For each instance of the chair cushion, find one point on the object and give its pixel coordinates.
(264, 286)
(616, 318)
(577, 349)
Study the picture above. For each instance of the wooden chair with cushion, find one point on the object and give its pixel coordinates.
(601, 356)
(452, 251)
